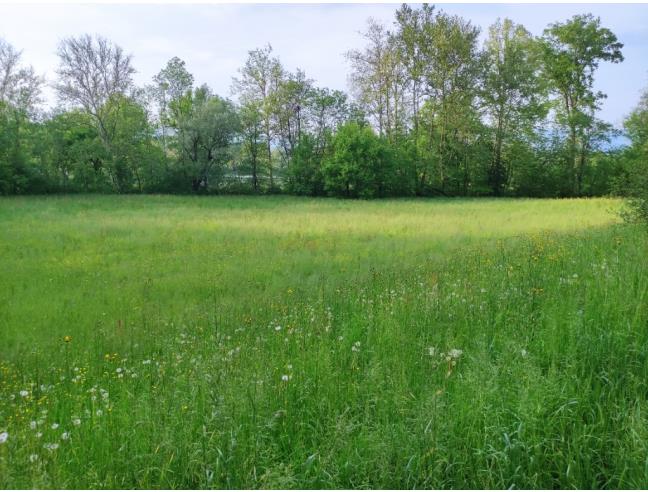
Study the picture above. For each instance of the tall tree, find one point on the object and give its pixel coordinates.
(171, 84)
(452, 80)
(572, 52)
(91, 72)
(512, 94)
(20, 90)
(206, 137)
(378, 79)
(258, 82)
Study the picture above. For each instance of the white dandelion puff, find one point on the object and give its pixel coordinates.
(24, 393)
(55, 426)
(455, 353)
(65, 436)
(33, 458)
(3, 437)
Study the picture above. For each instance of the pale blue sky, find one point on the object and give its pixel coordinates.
(214, 39)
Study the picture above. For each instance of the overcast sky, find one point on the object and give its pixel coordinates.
(214, 39)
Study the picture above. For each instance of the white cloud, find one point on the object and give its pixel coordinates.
(214, 39)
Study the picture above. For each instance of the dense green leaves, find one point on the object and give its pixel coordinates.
(434, 112)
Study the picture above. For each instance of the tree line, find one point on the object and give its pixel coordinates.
(431, 111)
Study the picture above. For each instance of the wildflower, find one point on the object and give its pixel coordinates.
(455, 353)
(356, 347)
(285, 378)
(524, 353)
(65, 436)
(146, 362)
(3, 437)
(278, 328)
(51, 446)
(55, 426)
(431, 351)
(24, 393)
(33, 458)
(289, 366)
(99, 413)
(67, 338)
(118, 370)
(39, 435)
(76, 421)
(32, 425)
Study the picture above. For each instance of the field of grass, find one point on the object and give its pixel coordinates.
(223, 342)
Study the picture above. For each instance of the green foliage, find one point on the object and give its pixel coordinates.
(305, 171)
(359, 165)
(633, 178)
(515, 116)
(204, 139)
(571, 54)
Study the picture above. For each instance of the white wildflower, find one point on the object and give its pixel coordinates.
(51, 446)
(278, 328)
(55, 426)
(76, 421)
(523, 352)
(356, 347)
(24, 393)
(431, 351)
(65, 436)
(32, 425)
(99, 413)
(33, 458)
(285, 378)
(3, 437)
(455, 353)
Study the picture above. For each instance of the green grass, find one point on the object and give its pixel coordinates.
(225, 342)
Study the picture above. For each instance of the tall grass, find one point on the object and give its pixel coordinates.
(225, 342)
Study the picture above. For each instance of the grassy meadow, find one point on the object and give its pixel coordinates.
(279, 342)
